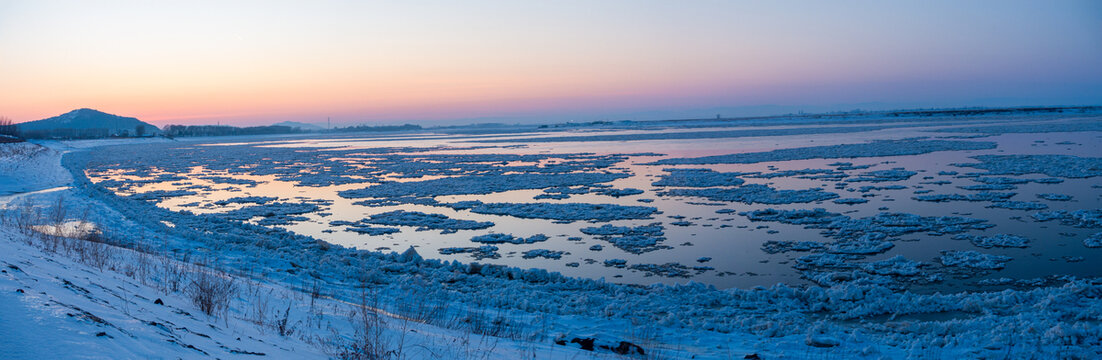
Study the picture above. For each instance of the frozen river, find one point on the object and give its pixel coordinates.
(945, 204)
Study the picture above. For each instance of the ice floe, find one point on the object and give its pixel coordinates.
(1086, 218)
(867, 188)
(860, 247)
(670, 269)
(850, 201)
(883, 224)
(998, 240)
(247, 200)
(638, 239)
(423, 221)
(1018, 205)
(478, 184)
(1054, 197)
(699, 178)
(1028, 128)
(478, 252)
(754, 194)
(279, 213)
(972, 260)
(896, 266)
(611, 230)
(566, 211)
(775, 246)
(161, 194)
(508, 239)
(543, 253)
(1064, 166)
(619, 263)
(617, 192)
(897, 174)
(872, 149)
(982, 196)
(814, 174)
(1093, 241)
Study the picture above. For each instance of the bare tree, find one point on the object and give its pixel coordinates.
(7, 127)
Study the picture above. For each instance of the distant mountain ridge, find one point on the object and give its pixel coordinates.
(85, 120)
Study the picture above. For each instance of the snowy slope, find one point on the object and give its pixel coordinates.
(66, 309)
(28, 167)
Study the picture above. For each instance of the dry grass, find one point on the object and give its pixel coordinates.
(210, 291)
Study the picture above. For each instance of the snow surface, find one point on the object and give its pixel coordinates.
(55, 307)
(28, 167)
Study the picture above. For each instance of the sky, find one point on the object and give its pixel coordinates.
(445, 62)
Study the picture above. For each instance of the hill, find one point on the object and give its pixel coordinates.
(87, 123)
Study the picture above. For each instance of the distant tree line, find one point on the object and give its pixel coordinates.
(365, 128)
(8, 128)
(994, 111)
(66, 134)
(581, 124)
(226, 130)
(90, 133)
(8, 131)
